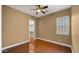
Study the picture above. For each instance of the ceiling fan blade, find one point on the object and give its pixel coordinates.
(43, 12)
(36, 13)
(38, 6)
(44, 7)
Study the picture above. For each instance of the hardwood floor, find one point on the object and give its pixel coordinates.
(46, 47)
(40, 47)
(24, 48)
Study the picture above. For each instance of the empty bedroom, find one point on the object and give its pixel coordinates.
(40, 28)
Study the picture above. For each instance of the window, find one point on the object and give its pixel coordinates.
(62, 25)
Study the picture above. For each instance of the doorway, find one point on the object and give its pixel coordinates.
(32, 28)
(32, 35)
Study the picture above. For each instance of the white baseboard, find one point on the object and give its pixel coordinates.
(17, 44)
(55, 42)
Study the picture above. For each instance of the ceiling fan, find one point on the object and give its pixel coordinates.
(40, 8)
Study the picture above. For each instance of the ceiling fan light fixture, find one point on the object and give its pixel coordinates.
(38, 10)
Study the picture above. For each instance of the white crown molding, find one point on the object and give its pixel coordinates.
(51, 9)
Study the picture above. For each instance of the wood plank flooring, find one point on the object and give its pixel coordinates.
(46, 47)
(24, 48)
(40, 47)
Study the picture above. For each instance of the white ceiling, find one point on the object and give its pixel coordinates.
(50, 9)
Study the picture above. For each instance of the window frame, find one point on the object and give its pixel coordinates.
(62, 25)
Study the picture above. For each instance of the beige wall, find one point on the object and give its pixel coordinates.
(1, 23)
(46, 27)
(14, 26)
(75, 28)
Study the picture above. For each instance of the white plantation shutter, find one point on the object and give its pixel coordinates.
(62, 25)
